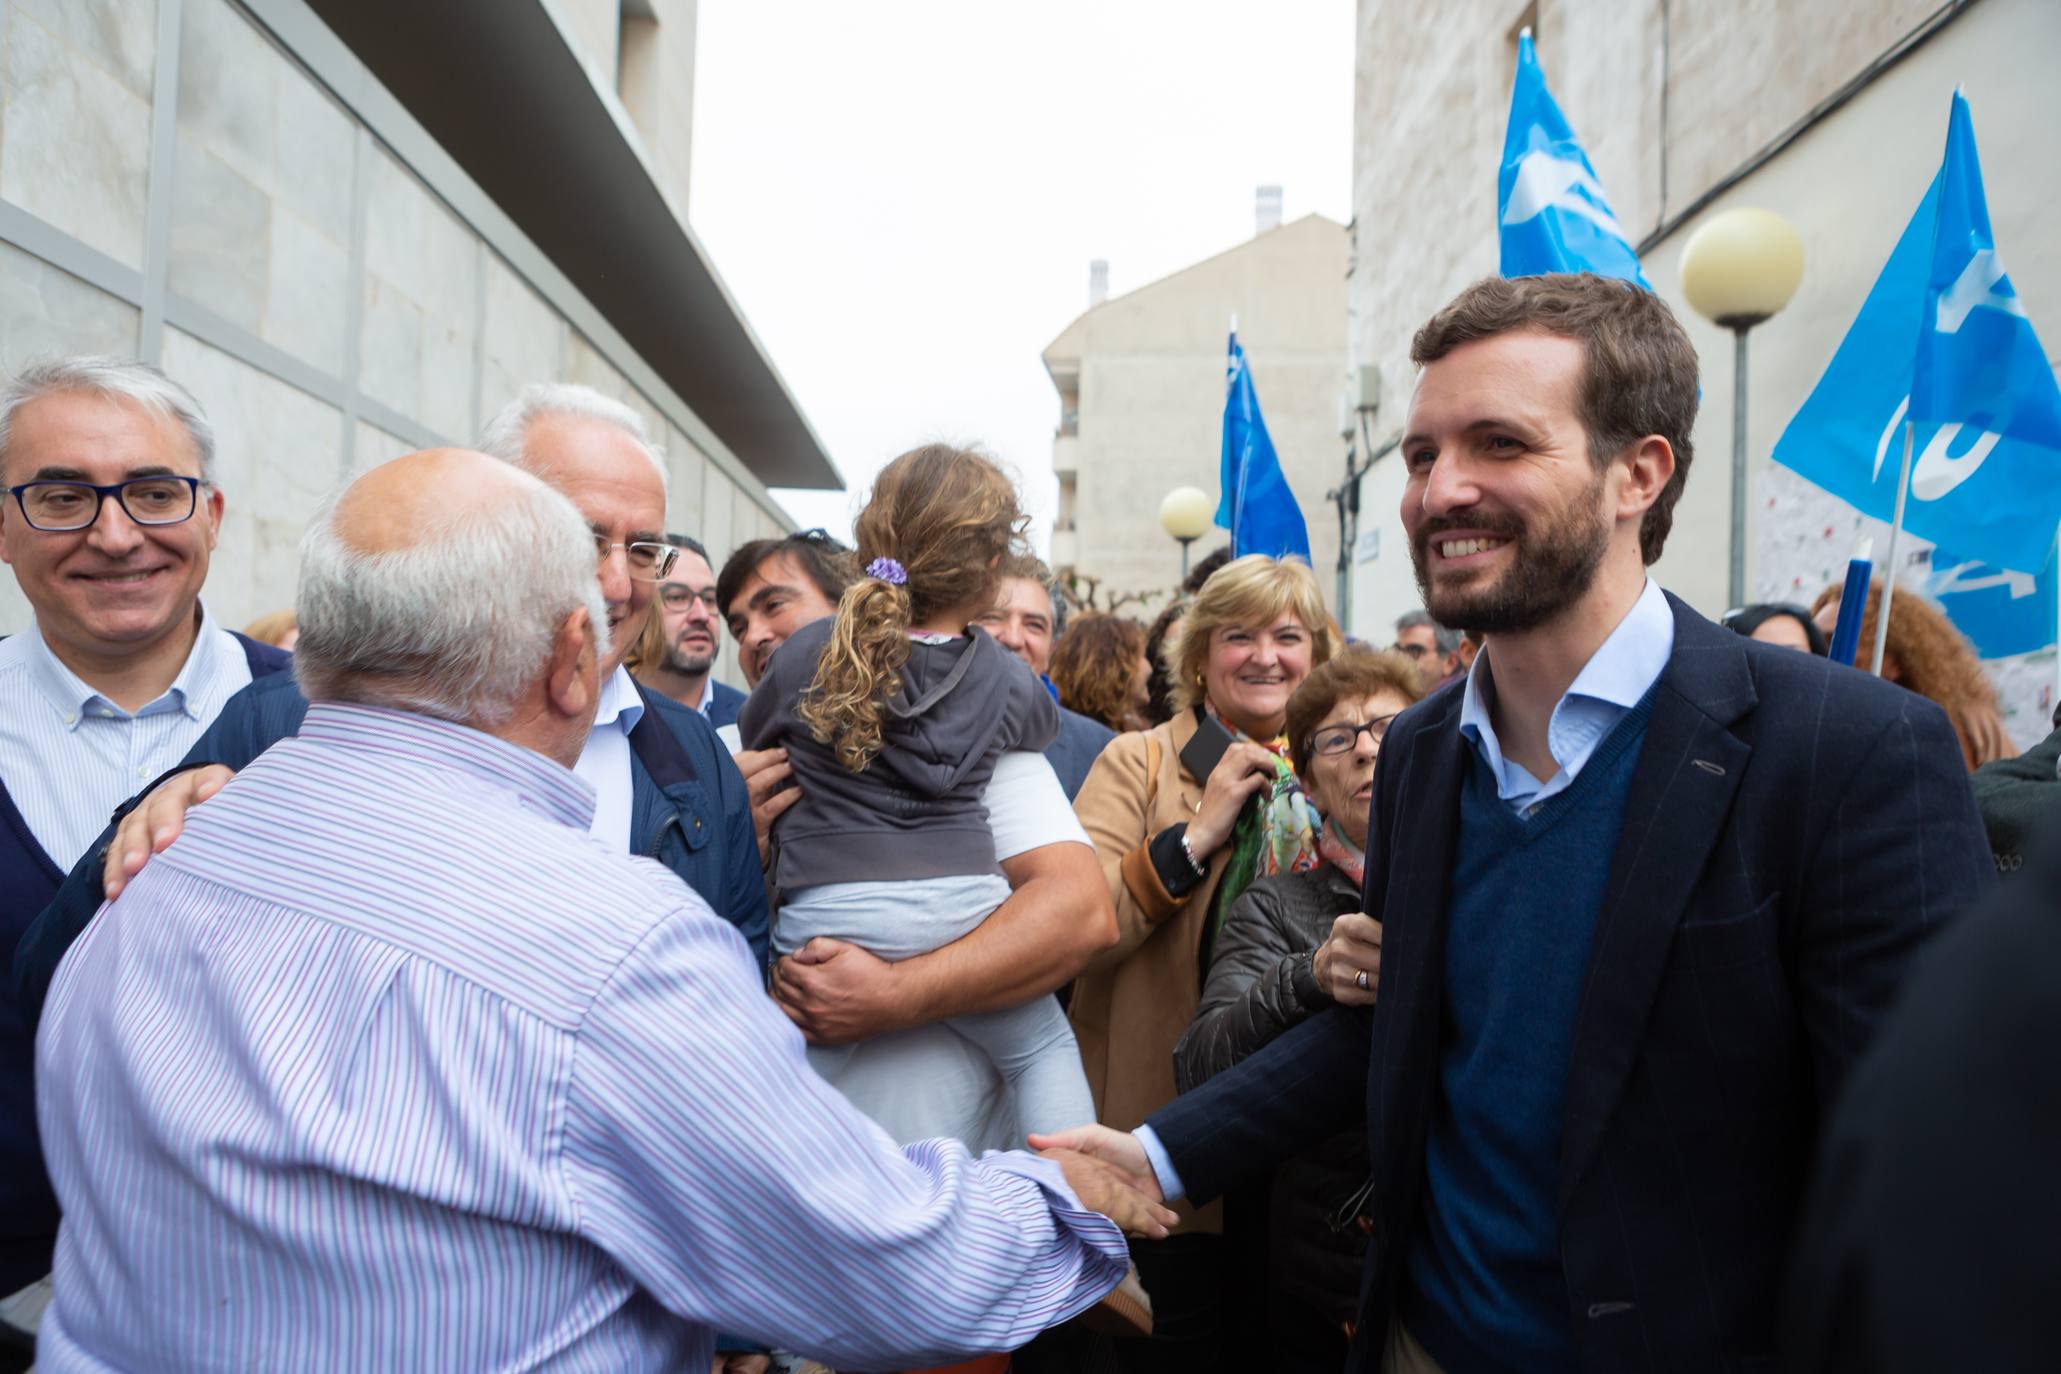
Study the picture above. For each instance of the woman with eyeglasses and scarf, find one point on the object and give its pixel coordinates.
(1294, 945)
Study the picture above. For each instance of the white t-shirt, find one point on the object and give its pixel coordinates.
(1027, 808)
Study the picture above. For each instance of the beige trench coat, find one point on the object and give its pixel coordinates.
(1136, 999)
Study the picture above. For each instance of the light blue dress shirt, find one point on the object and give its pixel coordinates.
(69, 756)
(605, 761)
(1610, 684)
(1621, 671)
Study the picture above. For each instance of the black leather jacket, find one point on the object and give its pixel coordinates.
(1260, 984)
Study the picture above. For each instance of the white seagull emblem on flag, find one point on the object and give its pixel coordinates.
(1545, 182)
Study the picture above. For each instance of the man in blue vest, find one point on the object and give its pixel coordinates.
(1639, 892)
(108, 517)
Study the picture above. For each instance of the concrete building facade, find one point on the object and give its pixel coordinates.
(1141, 389)
(1833, 115)
(352, 228)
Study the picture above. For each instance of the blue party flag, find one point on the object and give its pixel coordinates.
(1550, 209)
(1942, 340)
(2002, 612)
(1980, 365)
(1256, 507)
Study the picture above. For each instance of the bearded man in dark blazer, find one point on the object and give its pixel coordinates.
(1638, 892)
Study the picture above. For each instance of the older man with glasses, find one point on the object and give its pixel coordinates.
(664, 787)
(108, 516)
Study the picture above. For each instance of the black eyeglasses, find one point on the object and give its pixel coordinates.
(58, 507)
(676, 596)
(1339, 739)
(647, 561)
(1413, 650)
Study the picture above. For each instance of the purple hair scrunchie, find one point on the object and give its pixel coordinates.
(888, 571)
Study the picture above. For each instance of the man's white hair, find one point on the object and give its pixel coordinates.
(138, 383)
(504, 434)
(456, 626)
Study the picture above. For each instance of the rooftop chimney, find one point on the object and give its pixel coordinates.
(1098, 281)
(1267, 209)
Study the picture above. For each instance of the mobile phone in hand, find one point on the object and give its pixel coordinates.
(1201, 754)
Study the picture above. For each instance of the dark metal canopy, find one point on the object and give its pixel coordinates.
(496, 85)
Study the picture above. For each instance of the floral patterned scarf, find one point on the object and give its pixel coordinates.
(1289, 822)
(1342, 854)
(1276, 833)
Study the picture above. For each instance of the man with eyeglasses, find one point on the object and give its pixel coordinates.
(1434, 648)
(108, 517)
(665, 786)
(677, 655)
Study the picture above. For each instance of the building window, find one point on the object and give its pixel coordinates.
(636, 61)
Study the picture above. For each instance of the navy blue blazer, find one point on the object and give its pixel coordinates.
(725, 704)
(1075, 748)
(688, 809)
(1795, 832)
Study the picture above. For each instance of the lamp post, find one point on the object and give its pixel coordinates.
(1738, 269)
(1186, 514)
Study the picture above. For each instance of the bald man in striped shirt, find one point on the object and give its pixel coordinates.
(386, 1064)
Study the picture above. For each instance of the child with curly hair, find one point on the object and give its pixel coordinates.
(893, 713)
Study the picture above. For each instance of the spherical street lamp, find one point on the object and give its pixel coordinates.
(1739, 268)
(1186, 514)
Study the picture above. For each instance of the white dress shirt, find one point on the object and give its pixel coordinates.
(69, 756)
(605, 762)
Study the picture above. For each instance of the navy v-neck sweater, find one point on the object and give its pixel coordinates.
(1485, 1290)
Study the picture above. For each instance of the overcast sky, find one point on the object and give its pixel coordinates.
(904, 196)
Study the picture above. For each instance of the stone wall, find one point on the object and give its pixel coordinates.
(1432, 99)
(323, 300)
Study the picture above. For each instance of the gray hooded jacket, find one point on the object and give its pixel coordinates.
(915, 811)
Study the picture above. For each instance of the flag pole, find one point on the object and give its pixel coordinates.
(1896, 529)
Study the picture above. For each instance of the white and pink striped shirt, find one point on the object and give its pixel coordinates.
(387, 1065)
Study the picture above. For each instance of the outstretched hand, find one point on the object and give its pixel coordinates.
(1120, 1148)
(155, 822)
(1132, 1203)
(1124, 1179)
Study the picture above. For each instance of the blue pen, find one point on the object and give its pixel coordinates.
(1853, 603)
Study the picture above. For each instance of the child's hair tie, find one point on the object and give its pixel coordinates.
(888, 571)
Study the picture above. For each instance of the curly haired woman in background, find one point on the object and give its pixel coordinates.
(1100, 670)
(1927, 655)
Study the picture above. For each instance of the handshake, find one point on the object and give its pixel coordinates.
(1109, 1172)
